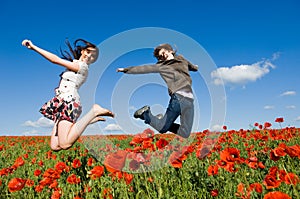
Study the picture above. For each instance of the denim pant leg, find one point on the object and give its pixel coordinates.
(186, 117)
(164, 124)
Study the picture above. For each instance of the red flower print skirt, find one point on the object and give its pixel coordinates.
(58, 109)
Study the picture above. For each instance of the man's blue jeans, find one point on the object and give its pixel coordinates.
(178, 106)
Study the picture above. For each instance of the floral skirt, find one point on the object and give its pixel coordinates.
(58, 109)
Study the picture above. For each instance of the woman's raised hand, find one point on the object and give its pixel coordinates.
(27, 43)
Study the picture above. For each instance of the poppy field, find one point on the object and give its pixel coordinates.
(262, 162)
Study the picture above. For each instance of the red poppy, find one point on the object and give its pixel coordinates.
(267, 125)
(161, 143)
(46, 181)
(279, 151)
(73, 179)
(134, 165)
(277, 195)
(107, 193)
(202, 152)
(273, 156)
(115, 161)
(60, 166)
(279, 119)
(176, 159)
(150, 179)
(55, 195)
(76, 163)
(51, 173)
(16, 184)
(96, 172)
(242, 192)
(271, 182)
(257, 187)
(128, 177)
(224, 128)
(19, 162)
(293, 151)
(90, 162)
(291, 178)
(33, 161)
(53, 185)
(37, 172)
(39, 188)
(230, 155)
(41, 163)
(214, 193)
(212, 170)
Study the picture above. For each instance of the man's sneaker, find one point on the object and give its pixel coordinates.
(139, 113)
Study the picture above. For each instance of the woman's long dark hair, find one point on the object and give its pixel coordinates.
(75, 51)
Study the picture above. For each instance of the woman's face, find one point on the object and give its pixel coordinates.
(89, 55)
(164, 54)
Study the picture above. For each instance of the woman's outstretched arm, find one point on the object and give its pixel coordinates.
(51, 57)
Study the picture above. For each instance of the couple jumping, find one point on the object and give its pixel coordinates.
(65, 108)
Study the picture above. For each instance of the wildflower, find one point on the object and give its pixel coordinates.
(76, 163)
(271, 182)
(128, 177)
(150, 179)
(176, 159)
(55, 195)
(53, 185)
(90, 162)
(37, 172)
(279, 120)
(29, 183)
(212, 170)
(161, 143)
(273, 156)
(115, 161)
(60, 167)
(230, 155)
(16, 184)
(267, 125)
(73, 179)
(134, 165)
(291, 178)
(107, 193)
(96, 172)
(277, 195)
(242, 192)
(214, 193)
(19, 162)
(257, 187)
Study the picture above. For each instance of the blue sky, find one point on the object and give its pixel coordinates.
(254, 45)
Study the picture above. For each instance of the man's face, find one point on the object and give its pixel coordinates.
(164, 54)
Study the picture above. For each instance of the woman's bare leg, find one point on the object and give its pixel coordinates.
(97, 119)
(54, 139)
(68, 132)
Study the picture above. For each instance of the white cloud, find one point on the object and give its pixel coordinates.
(288, 93)
(217, 127)
(298, 119)
(35, 133)
(132, 108)
(41, 122)
(268, 107)
(112, 127)
(291, 107)
(242, 74)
